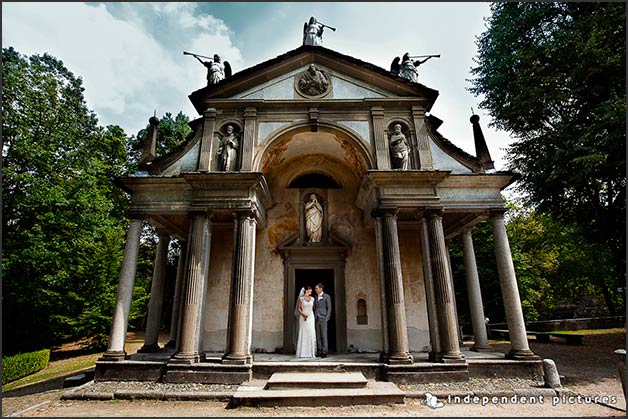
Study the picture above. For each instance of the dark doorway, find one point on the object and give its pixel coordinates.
(312, 277)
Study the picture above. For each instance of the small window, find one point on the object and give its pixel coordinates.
(314, 180)
(362, 317)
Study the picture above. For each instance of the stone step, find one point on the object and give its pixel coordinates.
(324, 380)
(375, 392)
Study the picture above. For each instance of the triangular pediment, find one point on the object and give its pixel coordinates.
(350, 78)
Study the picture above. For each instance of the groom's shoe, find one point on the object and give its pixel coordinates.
(323, 355)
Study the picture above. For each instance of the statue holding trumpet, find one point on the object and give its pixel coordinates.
(216, 70)
(408, 67)
(313, 32)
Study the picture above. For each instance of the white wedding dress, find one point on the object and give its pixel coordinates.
(306, 342)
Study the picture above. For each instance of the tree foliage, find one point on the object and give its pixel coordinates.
(553, 75)
(555, 269)
(63, 218)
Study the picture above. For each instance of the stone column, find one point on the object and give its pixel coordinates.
(205, 154)
(453, 289)
(423, 145)
(155, 304)
(117, 337)
(379, 246)
(475, 294)
(248, 139)
(176, 300)
(193, 295)
(510, 291)
(382, 153)
(399, 349)
(241, 295)
(432, 314)
(443, 290)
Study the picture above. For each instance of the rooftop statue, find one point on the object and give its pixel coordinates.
(408, 69)
(313, 32)
(216, 70)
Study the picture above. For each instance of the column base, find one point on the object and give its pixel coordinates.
(399, 359)
(170, 345)
(522, 354)
(452, 358)
(237, 359)
(113, 356)
(482, 348)
(149, 348)
(186, 358)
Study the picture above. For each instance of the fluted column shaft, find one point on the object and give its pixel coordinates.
(399, 349)
(432, 314)
(117, 337)
(241, 297)
(443, 291)
(155, 303)
(176, 300)
(475, 294)
(382, 287)
(510, 290)
(194, 290)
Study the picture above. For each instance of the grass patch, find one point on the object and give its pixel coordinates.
(55, 369)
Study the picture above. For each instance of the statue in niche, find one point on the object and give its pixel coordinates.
(314, 219)
(313, 82)
(228, 150)
(399, 149)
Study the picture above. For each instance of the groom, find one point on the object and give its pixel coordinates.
(322, 312)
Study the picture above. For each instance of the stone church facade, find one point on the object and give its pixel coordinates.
(382, 255)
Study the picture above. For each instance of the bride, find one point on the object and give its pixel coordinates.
(306, 342)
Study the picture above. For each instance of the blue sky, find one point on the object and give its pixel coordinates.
(130, 55)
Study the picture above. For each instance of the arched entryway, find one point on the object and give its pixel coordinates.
(329, 164)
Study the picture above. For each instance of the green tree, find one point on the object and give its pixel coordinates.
(555, 268)
(553, 75)
(171, 133)
(62, 214)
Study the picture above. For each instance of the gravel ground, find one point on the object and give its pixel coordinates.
(486, 384)
(110, 386)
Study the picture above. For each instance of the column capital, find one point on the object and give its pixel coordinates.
(432, 212)
(134, 215)
(418, 111)
(210, 113)
(497, 212)
(250, 213)
(467, 230)
(385, 211)
(250, 112)
(377, 111)
(201, 213)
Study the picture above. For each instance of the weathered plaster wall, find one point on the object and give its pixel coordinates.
(214, 338)
(414, 289)
(269, 269)
(361, 276)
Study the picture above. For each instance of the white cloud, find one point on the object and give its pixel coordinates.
(127, 70)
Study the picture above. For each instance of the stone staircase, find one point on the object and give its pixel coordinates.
(316, 389)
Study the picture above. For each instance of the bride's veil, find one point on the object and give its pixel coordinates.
(301, 294)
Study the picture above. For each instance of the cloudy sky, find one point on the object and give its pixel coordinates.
(130, 55)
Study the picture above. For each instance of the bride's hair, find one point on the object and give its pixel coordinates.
(307, 287)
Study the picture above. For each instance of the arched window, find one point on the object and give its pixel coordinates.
(314, 180)
(362, 317)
